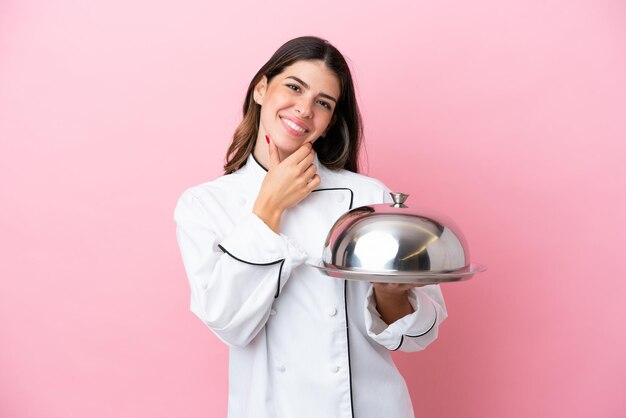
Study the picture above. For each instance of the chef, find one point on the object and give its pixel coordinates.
(301, 344)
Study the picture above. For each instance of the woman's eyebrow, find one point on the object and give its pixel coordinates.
(307, 86)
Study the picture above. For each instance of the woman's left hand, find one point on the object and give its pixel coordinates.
(392, 300)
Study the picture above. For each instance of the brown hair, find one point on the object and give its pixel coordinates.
(341, 144)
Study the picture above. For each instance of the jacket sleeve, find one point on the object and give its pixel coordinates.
(235, 269)
(412, 332)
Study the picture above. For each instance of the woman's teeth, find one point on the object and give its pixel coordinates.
(293, 125)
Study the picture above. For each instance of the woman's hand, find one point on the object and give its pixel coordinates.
(392, 300)
(286, 183)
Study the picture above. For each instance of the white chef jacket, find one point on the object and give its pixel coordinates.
(301, 344)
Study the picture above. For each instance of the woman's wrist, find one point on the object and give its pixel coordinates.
(392, 305)
(268, 214)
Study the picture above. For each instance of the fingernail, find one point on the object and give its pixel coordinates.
(267, 138)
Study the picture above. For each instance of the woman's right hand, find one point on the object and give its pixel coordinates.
(286, 183)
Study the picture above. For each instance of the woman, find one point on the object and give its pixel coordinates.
(301, 344)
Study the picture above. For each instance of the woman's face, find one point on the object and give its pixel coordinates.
(297, 105)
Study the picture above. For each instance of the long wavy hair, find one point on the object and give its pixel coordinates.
(340, 147)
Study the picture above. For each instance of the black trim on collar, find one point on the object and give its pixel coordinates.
(339, 188)
(316, 190)
(257, 161)
(280, 269)
(415, 336)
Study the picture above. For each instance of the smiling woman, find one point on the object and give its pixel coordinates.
(320, 85)
(302, 344)
(294, 111)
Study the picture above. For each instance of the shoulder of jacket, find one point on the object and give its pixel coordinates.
(358, 180)
(219, 189)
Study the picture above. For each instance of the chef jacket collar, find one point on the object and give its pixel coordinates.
(260, 171)
(328, 181)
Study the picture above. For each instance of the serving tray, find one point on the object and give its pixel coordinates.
(464, 273)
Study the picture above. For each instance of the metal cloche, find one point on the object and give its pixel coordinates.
(396, 243)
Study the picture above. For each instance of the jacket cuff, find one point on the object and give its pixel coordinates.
(416, 324)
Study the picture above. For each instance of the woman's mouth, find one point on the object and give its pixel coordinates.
(292, 127)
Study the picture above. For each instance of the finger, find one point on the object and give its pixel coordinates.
(273, 149)
(300, 153)
(310, 172)
(419, 284)
(406, 286)
(391, 287)
(315, 181)
(396, 287)
(306, 161)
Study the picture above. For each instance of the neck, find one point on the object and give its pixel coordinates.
(261, 153)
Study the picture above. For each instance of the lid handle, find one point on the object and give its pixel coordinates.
(398, 199)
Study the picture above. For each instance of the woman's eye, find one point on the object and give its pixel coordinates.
(293, 87)
(323, 103)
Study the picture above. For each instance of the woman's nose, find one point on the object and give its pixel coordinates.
(304, 108)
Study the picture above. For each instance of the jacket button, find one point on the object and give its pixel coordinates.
(334, 369)
(281, 368)
(242, 202)
(272, 312)
(332, 311)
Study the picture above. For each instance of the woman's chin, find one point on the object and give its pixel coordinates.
(290, 147)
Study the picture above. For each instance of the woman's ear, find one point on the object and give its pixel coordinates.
(259, 90)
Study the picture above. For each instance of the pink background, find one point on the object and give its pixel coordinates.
(509, 116)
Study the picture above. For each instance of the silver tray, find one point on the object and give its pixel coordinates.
(465, 273)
